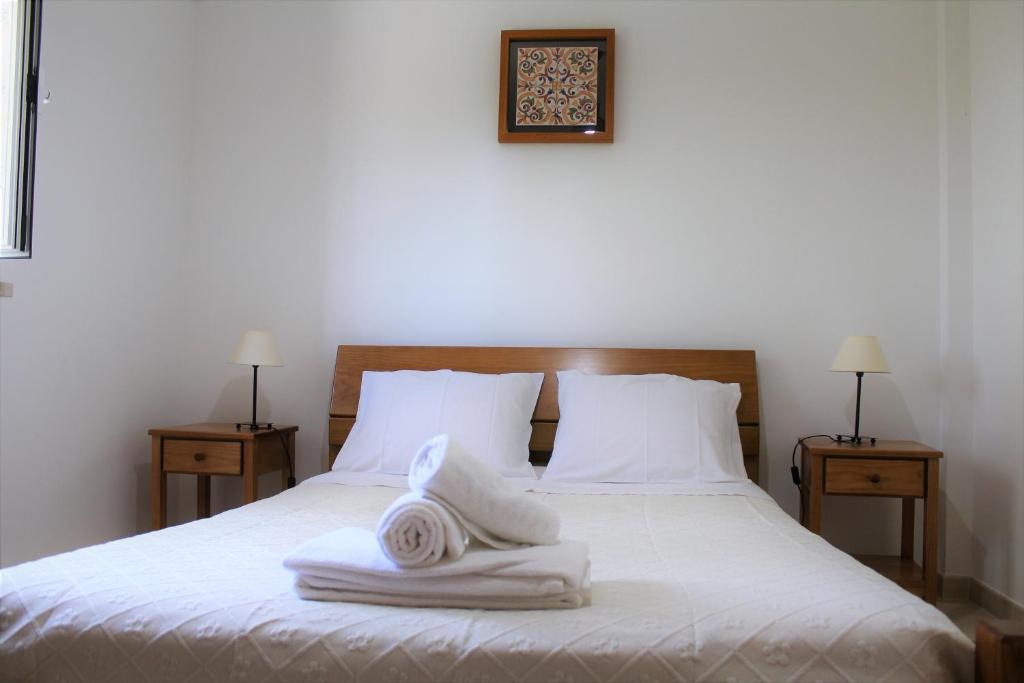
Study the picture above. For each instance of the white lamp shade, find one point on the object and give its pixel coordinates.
(256, 348)
(860, 354)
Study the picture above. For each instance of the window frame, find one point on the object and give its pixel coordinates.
(26, 139)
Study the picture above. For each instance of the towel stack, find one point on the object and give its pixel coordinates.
(427, 550)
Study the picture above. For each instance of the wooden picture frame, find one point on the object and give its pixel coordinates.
(563, 90)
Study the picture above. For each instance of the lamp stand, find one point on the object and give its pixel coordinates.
(255, 426)
(856, 437)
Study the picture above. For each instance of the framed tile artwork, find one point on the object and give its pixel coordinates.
(557, 85)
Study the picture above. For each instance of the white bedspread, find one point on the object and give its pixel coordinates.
(686, 587)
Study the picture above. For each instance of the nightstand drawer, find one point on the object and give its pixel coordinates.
(202, 457)
(874, 477)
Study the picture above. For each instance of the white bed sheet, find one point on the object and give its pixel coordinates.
(744, 488)
(686, 587)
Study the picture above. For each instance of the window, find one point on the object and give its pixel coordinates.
(19, 86)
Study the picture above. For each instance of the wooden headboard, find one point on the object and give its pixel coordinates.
(723, 366)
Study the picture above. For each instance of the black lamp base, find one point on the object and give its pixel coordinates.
(253, 426)
(855, 438)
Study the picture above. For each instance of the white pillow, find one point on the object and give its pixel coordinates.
(489, 415)
(645, 428)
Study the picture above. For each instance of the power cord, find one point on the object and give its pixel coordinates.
(795, 471)
(291, 465)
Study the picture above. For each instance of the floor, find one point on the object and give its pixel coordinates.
(965, 615)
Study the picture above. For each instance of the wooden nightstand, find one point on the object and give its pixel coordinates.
(894, 469)
(999, 653)
(213, 448)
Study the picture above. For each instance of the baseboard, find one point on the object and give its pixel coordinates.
(964, 588)
(1003, 606)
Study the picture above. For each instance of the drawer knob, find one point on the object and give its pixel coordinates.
(874, 478)
(199, 457)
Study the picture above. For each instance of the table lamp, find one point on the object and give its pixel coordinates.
(859, 355)
(256, 349)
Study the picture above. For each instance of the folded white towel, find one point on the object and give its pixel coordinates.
(416, 532)
(489, 507)
(349, 565)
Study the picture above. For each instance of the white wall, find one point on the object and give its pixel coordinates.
(262, 195)
(773, 185)
(981, 228)
(997, 171)
(89, 341)
(784, 174)
(956, 323)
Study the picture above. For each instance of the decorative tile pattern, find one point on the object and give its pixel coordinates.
(556, 86)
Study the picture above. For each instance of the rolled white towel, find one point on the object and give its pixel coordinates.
(489, 507)
(417, 532)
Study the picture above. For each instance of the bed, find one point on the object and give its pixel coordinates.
(690, 583)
